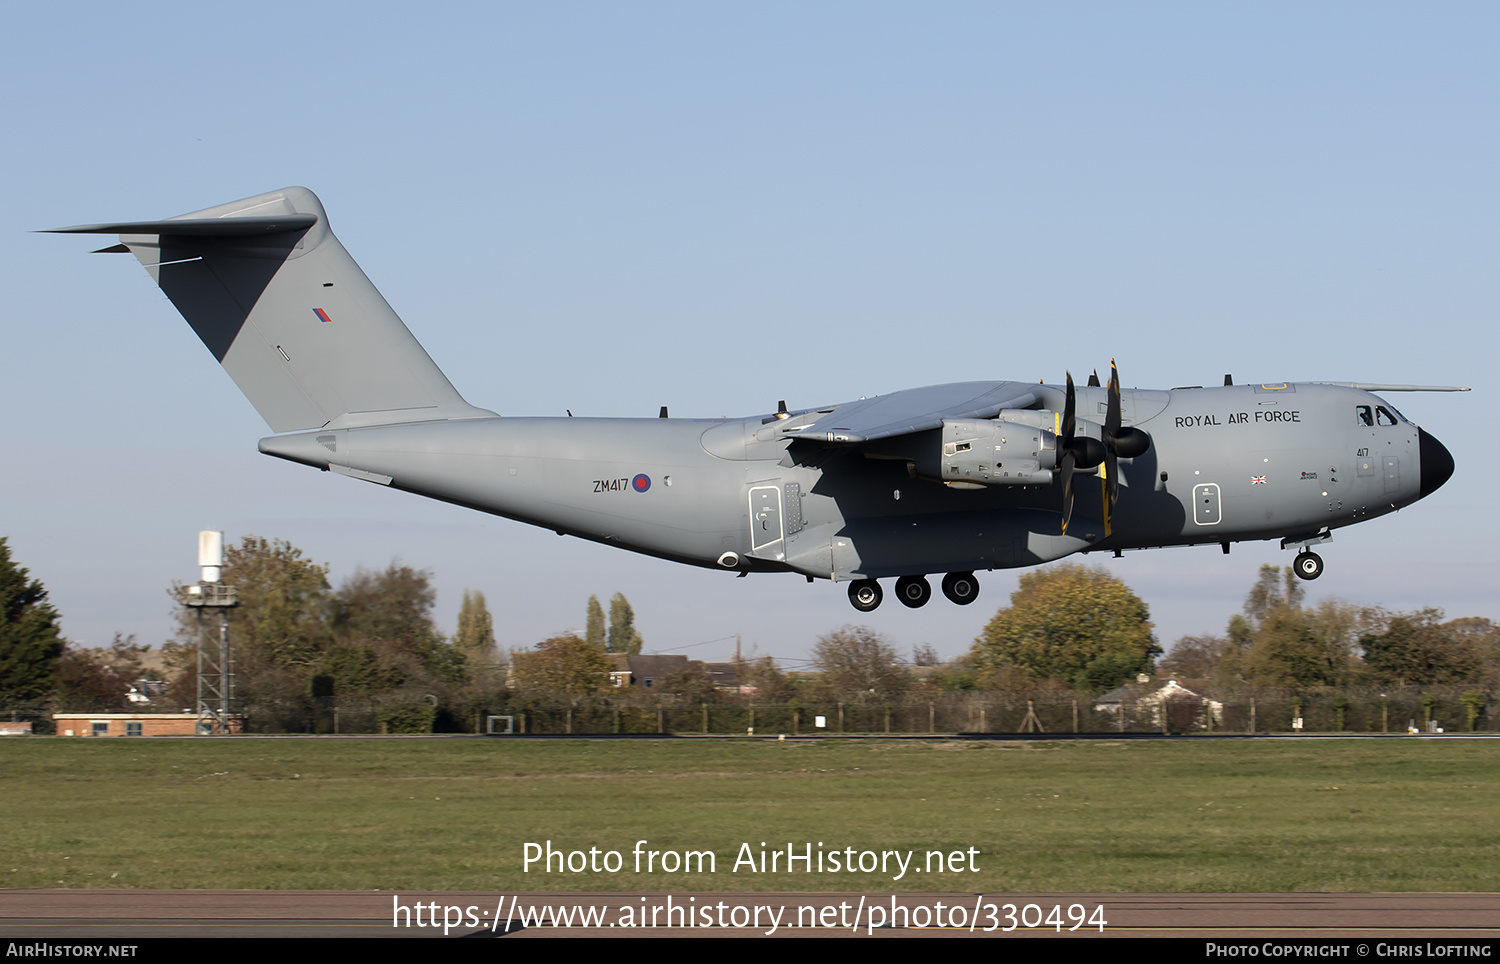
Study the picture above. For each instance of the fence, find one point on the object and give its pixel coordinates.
(1392, 711)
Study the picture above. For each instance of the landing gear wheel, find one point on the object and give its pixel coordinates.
(961, 587)
(913, 591)
(1308, 565)
(865, 594)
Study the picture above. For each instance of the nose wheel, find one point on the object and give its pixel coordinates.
(1308, 565)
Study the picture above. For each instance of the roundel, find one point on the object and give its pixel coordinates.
(641, 483)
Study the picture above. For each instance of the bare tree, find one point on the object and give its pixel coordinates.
(858, 663)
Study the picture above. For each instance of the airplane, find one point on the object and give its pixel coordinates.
(952, 479)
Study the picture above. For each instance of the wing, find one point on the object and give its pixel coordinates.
(913, 410)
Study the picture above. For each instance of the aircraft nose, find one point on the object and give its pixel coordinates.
(1437, 463)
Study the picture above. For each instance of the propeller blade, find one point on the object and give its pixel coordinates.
(1111, 432)
(1065, 463)
(1107, 485)
(1112, 412)
(1066, 432)
(1065, 469)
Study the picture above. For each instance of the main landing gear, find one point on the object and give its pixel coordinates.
(914, 591)
(865, 594)
(961, 587)
(1308, 565)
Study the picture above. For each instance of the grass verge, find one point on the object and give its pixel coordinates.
(1099, 816)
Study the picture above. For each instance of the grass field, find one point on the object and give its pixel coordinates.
(1181, 816)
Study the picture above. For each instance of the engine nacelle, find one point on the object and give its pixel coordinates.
(1001, 451)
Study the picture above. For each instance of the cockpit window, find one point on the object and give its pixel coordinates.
(1370, 416)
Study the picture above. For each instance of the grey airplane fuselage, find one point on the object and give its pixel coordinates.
(1225, 464)
(948, 478)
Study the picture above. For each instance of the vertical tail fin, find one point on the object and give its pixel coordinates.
(292, 318)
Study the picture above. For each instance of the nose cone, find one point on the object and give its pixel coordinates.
(1437, 463)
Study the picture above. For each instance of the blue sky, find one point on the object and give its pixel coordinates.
(611, 207)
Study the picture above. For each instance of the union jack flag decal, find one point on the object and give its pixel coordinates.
(1258, 480)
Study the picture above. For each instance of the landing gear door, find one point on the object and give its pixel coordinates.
(766, 527)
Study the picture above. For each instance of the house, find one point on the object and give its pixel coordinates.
(1155, 702)
(650, 672)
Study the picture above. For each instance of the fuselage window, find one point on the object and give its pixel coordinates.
(1383, 417)
(1362, 412)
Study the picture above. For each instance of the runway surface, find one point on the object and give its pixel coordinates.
(122, 915)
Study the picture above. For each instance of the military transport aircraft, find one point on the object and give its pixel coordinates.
(948, 479)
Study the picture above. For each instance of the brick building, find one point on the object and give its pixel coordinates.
(125, 724)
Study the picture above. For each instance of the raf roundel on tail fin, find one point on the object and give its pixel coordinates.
(293, 320)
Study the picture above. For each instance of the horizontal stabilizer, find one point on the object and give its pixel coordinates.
(199, 227)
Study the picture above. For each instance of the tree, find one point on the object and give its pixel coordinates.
(394, 605)
(87, 684)
(476, 632)
(1483, 639)
(595, 634)
(1276, 641)
(283, 607)
(1193, 657)
(564, 666)
(1416, 649)
(858, 663)
(623, 637)
(770, 684)
(693, 683)
(925, 655)
(1077, 625)
(1291, 651)
(388, 614)
(279, 632)
(30, 641)
(298, 646)
(1275, 589)
(99, 680)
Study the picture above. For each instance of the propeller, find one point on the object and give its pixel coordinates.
(1077, 452)
(1120, 442)
(1081, 452)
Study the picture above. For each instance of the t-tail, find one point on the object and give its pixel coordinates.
(290, 316)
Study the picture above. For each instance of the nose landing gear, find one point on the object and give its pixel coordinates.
(1308, 565)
